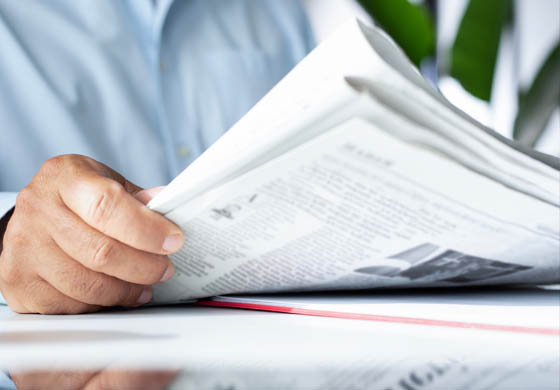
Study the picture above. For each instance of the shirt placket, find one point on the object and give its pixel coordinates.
(160, 67)
(149, 17)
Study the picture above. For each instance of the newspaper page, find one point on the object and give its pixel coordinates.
(450, 134)
(315, 96)
(307, 100)
(358, 208)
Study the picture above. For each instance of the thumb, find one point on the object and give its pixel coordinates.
(145, 196)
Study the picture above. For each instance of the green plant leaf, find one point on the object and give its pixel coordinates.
(474, 52)
(538, 103)
(410, 25)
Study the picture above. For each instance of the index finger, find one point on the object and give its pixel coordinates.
(105, 205)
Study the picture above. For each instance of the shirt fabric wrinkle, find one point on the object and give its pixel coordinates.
(142, 87)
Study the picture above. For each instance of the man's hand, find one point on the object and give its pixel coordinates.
(80, 238)
(107, 379)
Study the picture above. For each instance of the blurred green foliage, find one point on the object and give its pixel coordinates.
(474, 53)
(473, 56)
(410, 25)
(537, 104)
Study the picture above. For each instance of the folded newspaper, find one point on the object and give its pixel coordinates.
(355, 173)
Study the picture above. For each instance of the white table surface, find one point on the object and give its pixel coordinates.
(217, 343)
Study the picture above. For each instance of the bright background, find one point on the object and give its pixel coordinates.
(521, 53)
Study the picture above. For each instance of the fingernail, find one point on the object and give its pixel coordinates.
(145, 297)
(168, 273)
(173, 243)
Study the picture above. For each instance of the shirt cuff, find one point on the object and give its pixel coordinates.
(7, 201)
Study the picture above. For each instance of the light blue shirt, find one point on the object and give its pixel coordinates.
(143, 86)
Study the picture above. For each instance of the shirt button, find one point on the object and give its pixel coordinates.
(162, 65)
(183, 151)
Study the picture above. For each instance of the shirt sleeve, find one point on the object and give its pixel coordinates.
(6, 383)
(7, 201)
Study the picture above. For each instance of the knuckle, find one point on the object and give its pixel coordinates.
(53, 165)
(95, 290)
(75, 164)
(27, 200)
(105, 202)
(103, 255)
(80, 284)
